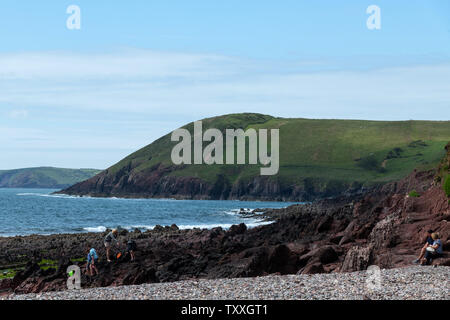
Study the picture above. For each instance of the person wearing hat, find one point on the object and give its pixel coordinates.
(109, 239)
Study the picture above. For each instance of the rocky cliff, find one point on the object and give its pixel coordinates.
(158, 182)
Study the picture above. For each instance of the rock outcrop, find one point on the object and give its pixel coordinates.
(162, 181)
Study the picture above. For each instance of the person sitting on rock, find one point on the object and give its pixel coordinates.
(434, 251)
(109, 239)
(92, 259)
(428, 242)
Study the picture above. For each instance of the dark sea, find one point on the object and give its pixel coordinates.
(37, 211)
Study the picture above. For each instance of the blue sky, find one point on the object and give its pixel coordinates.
(139, 69)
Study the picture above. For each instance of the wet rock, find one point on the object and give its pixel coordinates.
(158, 228)
(237, 229)
(216, 232)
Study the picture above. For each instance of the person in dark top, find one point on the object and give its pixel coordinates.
(428, 242)
(131, 248)
(433, 251)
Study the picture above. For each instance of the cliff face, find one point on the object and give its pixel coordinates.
(157, 182)
(393, 231)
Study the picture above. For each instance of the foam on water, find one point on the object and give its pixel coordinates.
(65, 196)
(39, 211)
(95, 229)
(252, 224)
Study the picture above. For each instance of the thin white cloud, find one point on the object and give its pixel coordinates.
(91, 110)
(150, 83)
(66, 66)
(17, 114)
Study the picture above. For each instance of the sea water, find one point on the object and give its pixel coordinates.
(38, 211)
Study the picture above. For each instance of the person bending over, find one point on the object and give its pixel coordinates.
(92, 259)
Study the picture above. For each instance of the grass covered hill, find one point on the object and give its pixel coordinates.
(318, 158)
(44, 177)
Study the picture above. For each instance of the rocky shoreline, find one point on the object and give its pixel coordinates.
(384, 227)
(412, 283)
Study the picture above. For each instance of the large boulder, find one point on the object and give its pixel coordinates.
(383, 235)
(357, 259)
(282, 260)
(325, 254)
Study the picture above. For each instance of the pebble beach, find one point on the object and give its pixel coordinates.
(410, 283)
